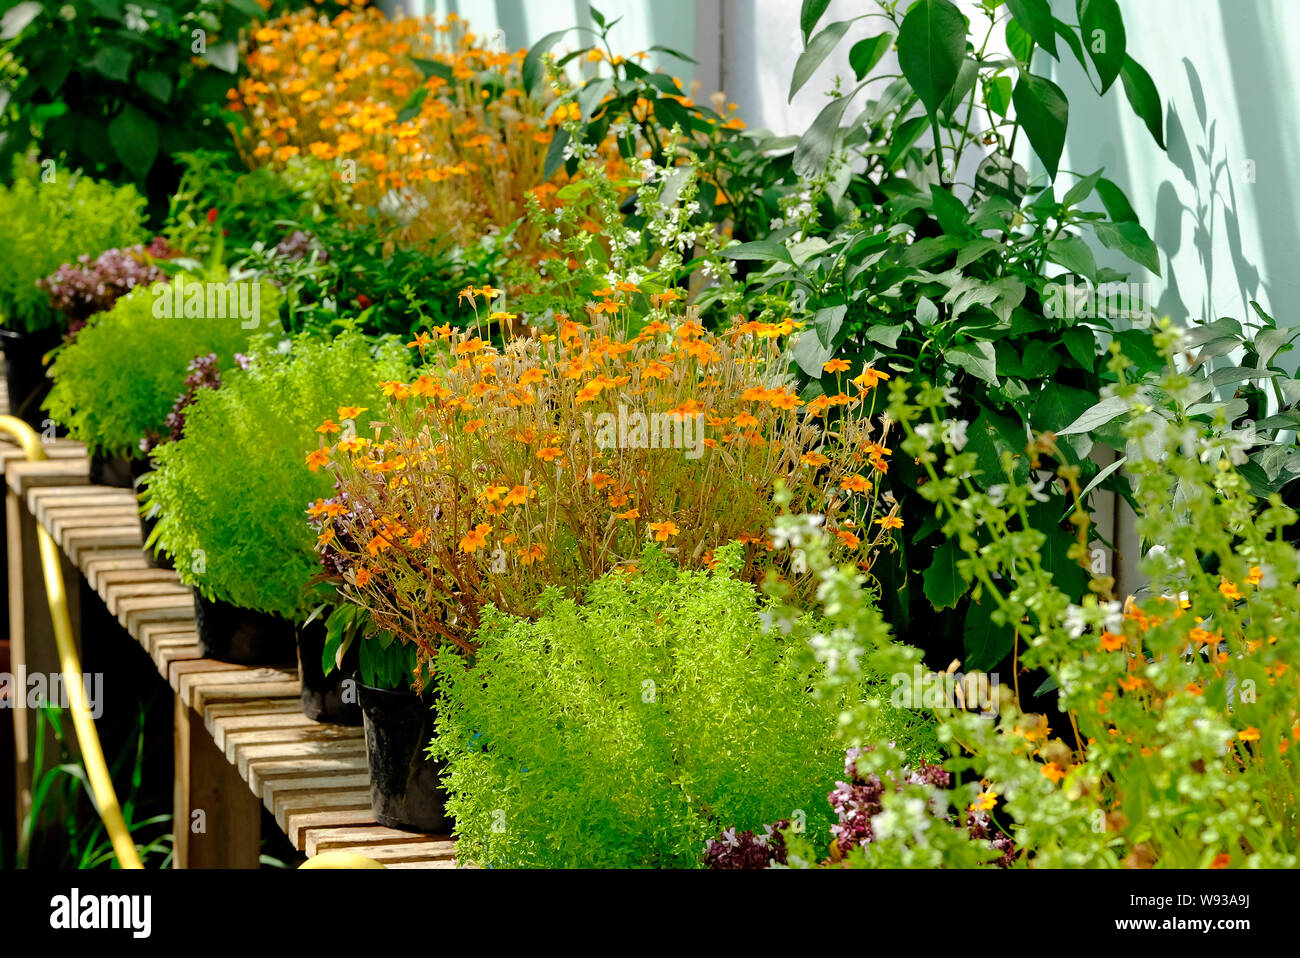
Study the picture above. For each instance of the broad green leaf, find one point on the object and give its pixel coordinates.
(413, 103)
(1071, 38)
(532, 71)
(113, 62)
(989, 437)
(1102, 28)
(810, 15)
(1043, 112)
(1097, 480)
(977, 358)
(949, 211)
(1117, 205)
(827, 321)
(1081, 191)
(762, 250)
(815, 53)
(984, 642)
(1075, 255)
(224, 56)
(943, 581)
(1035, 16)
(1081, 343)
(814, 149)
(997, 94)
(555, 153)
(931, 49)
(810, 354)
(966, 78)
(1144, 98)
(1058, 406)
(1019, 43)
(134, 138)
(1130, 239)
(903, 137)
(976, 249)
(1268, 342)
(433, 68)
(866, 53)
(157, 85)
(1103, 412)
(886, 336)
(927, 314)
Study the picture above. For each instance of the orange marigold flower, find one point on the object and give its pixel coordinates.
(473, 426)
(1221, 860)
(836, 365)
(1054, 772)
(1229, 589)
(664, 530)
(890, 522)
(475, 538)
(856, 483)
(630, 514)
(351, 412)
(869, 379)
(1110, 642)
(1249, 734)
(519, 495)
(317, 458)
(550, 453)
(329, 426)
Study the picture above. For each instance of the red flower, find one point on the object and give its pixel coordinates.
(364, 301)
(212, 215)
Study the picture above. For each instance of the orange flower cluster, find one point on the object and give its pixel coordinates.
(421, 119)
(496, 472)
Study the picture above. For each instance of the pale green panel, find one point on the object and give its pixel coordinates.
(1223, 204)
(645, 23)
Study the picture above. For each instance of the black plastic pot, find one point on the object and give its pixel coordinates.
(323, 696)
(228, 633)
(155, 561)
(118, 472)
(25, 373)
(405, 790)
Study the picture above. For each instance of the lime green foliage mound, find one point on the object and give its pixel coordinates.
(120, 377)
(631, 729)
(234, 490)
(47, 224)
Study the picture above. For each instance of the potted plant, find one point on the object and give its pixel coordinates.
(51, 217)
(116, 383)
(497, 472)
(397, 708)
(231, 491)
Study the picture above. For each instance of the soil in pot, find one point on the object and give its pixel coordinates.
(25, 373)
(323, 696)
(228, 633)
(405, 784)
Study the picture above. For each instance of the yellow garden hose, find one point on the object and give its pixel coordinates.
(340, 860)
(101, 783)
